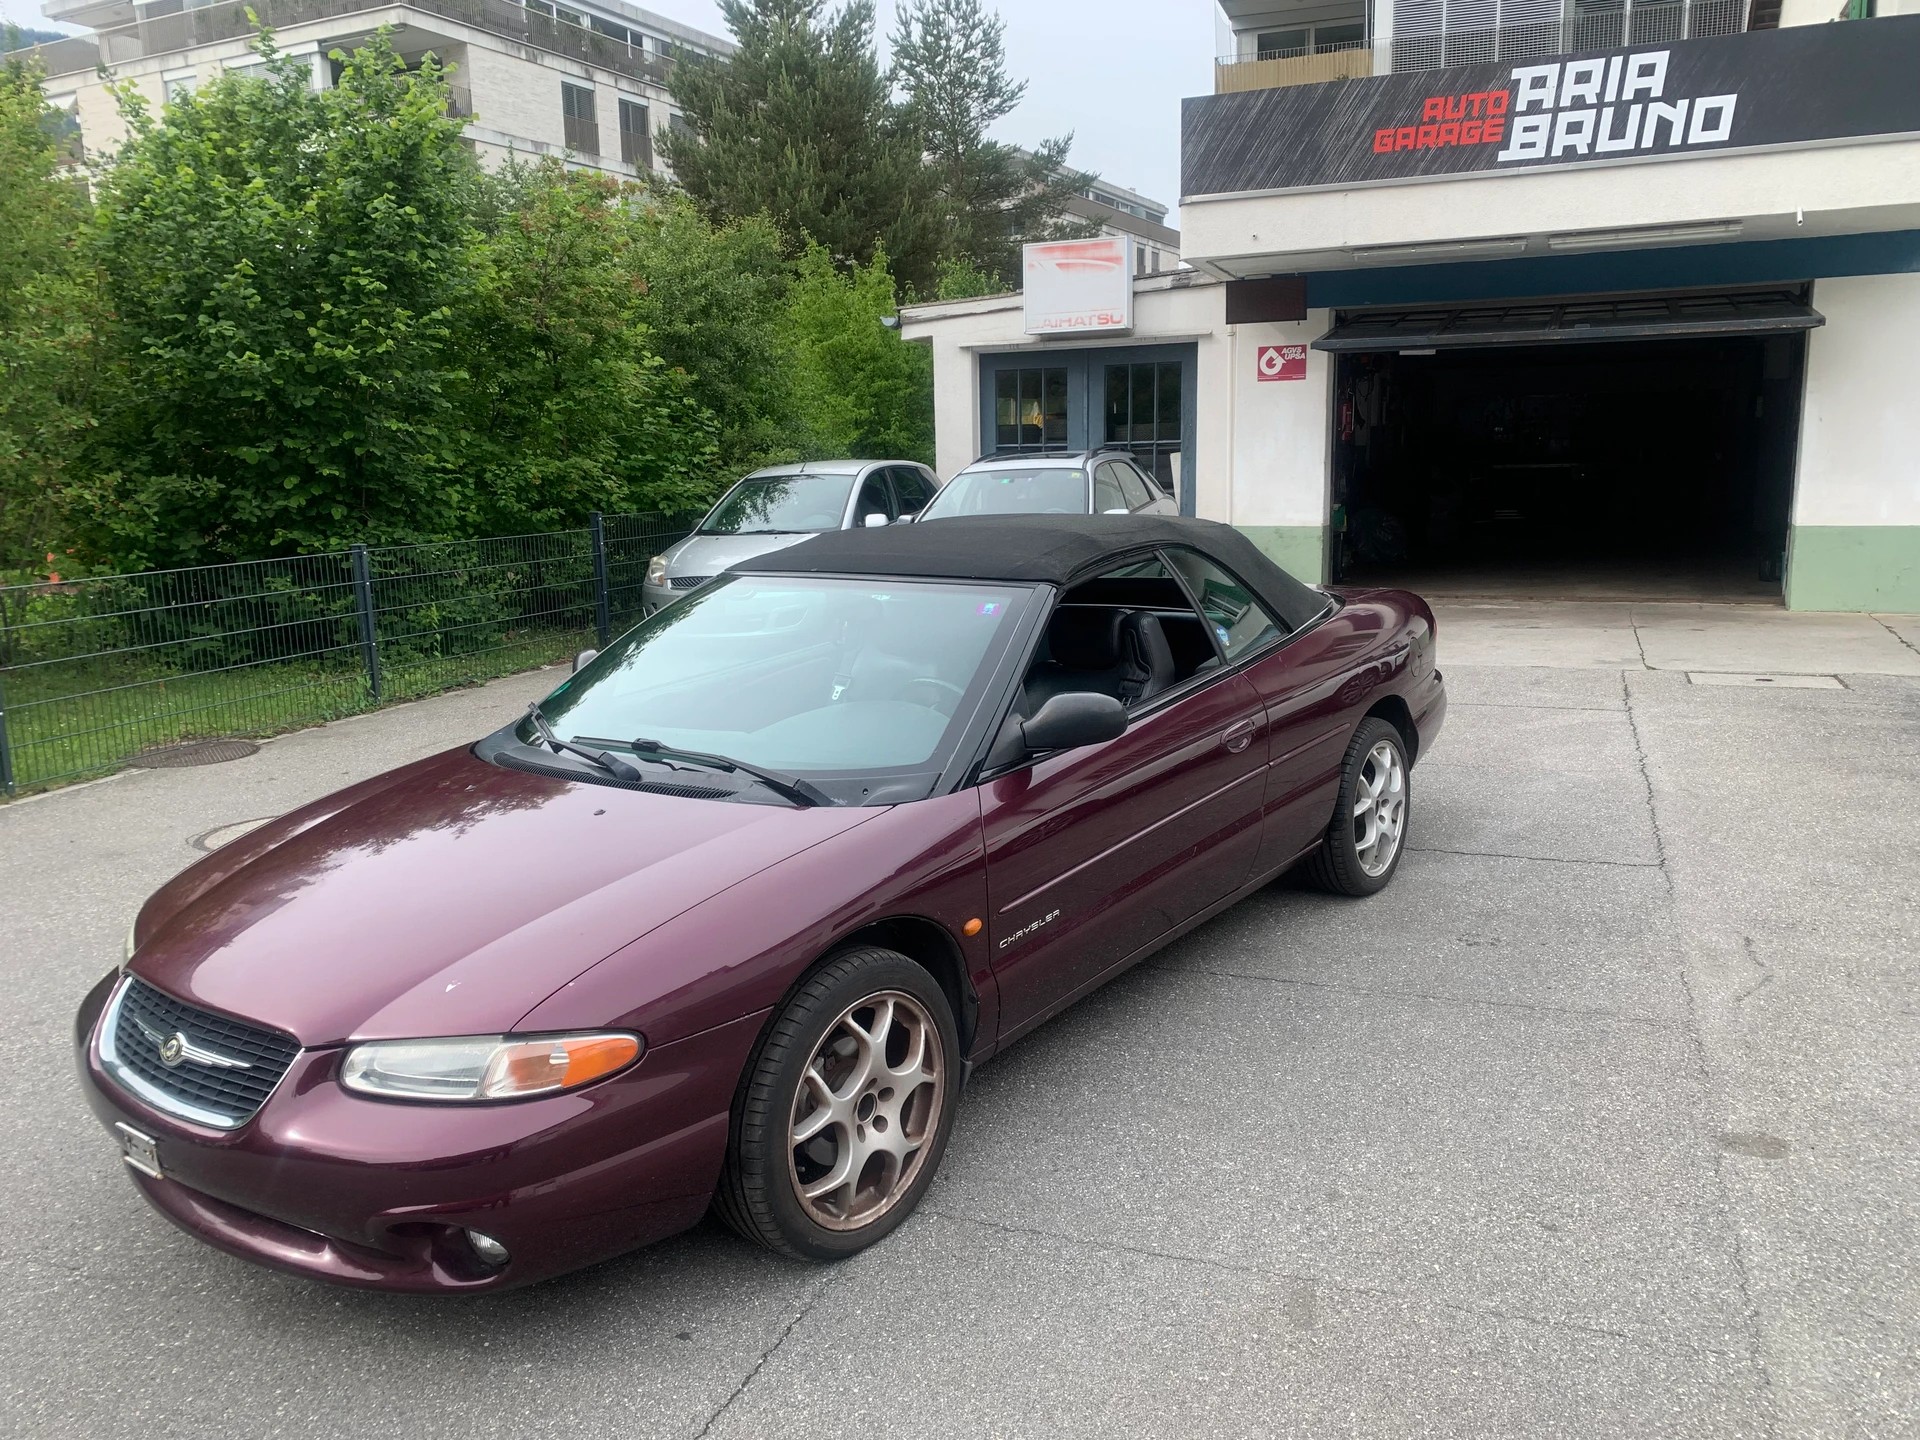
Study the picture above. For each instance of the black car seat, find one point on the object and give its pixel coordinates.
(1110, 651)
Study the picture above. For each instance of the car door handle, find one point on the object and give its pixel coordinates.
(1239, 735)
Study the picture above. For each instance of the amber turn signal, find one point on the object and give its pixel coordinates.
(972, 927)
(533, 1066)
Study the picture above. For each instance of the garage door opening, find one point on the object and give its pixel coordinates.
(1651, 468)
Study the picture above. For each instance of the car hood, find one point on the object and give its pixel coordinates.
(449, 897)
(710, 554)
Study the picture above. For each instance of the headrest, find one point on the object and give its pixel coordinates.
(1085, 637)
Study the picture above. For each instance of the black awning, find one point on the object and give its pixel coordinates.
(1559, 322)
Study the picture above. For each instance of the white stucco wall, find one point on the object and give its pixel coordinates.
(1280, 428)
(1860, 426)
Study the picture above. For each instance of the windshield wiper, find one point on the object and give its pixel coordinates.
(613, 765)
(801, 792)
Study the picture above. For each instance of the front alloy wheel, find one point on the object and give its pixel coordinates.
(843, 1113)
(866, 1105)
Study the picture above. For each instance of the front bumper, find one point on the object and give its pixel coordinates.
(657, 597)
(379, 1194)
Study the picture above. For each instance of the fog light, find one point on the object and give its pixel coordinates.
(490, 1250)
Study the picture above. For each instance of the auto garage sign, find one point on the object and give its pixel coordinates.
(1772, 88)
(1078, 287)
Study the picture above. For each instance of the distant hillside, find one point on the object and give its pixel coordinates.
(12, 38)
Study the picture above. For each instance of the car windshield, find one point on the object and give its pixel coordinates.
(1014, 490)
(797, 674)
(776, 504)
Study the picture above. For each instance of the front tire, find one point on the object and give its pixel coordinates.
(1367, 835)
(843, 1114)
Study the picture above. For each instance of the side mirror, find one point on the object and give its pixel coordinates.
(874, 520)
(1067, 722)
(908, 518)
(584, 659)
(1118, 510)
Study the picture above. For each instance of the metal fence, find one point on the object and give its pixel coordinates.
(93, 672)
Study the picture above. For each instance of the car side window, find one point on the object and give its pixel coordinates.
(1107, 491)
(913, 488)
(1133, 487)
(1240, 623)
(875, 499)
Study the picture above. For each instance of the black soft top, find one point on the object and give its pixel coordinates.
(1051, 549)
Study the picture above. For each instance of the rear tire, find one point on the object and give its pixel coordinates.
(1367, 835)
(844, 1111)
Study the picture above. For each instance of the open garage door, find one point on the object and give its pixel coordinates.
(1554, 322)
(1633, 453)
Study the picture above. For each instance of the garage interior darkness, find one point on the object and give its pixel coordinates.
(1630, 469)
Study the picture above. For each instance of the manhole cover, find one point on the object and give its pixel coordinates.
(193, 752)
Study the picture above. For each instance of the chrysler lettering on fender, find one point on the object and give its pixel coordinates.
(1612, 105)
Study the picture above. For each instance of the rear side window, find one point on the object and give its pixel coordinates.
(1240, 623)
(1107, 494)
(914, 487)
(1133, 487)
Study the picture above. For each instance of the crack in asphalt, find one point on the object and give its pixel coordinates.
(1579, 1010)
(1710, 1097)
(767, 1354)
(1320, 1284)
(1542, 859)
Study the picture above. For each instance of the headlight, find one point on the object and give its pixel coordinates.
(657, 571)
(485, 1067)
(127, 954)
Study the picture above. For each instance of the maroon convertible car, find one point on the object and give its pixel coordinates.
(725, 921)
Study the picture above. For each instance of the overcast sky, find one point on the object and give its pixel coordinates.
(1111, 71)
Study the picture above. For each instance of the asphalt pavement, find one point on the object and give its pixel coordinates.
(1603, 1120)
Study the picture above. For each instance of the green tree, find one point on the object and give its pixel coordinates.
(868, 392)
(950, 59)
(714, 300)
(48, 304)
(799, 125)
(564, 407)
(281, 267)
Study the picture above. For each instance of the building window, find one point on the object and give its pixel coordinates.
(636, 139)
(1308, 40)
(1030, 410)
(1143, 413)
(576, 110)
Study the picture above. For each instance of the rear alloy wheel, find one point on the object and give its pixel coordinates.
(843, 1116)
(1368, 831)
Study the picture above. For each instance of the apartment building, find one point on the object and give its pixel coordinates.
(537, 77)
(1121, 211)
(1589, 298)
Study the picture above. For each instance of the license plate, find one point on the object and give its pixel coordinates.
(139, 1151)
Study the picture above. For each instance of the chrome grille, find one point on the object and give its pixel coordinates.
(687, 582)
(226, 1068)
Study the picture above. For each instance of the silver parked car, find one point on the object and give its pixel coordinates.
(781, 505)
(1088, 482)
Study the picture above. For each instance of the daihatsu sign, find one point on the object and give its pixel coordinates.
(1079, 287)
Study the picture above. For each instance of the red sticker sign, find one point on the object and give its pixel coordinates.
(1281, 362)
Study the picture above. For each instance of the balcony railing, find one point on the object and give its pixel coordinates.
(1610, 29)
(1269, 69)
(189, 29)
(1656, 24)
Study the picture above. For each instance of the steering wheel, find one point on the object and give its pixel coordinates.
(953, 690)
